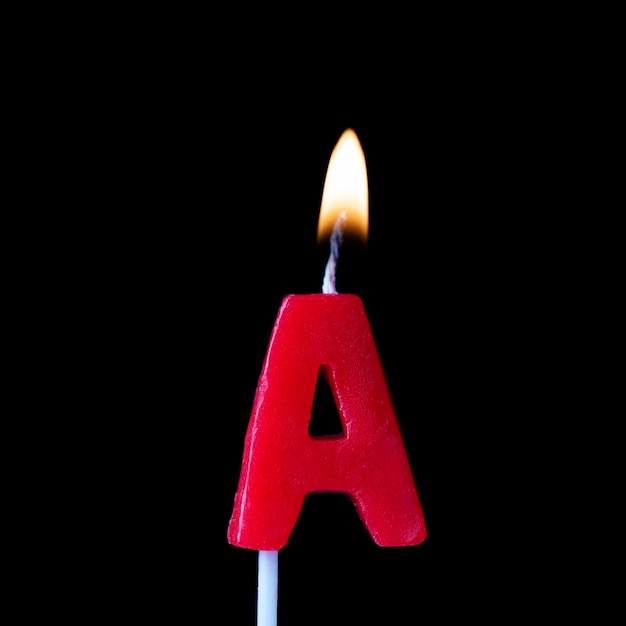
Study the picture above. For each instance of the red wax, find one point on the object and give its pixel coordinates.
(282, 463)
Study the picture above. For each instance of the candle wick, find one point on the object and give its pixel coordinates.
(336, 239)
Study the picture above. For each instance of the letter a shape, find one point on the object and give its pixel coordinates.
(282, 463)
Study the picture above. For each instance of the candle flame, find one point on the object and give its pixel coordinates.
(345, 189)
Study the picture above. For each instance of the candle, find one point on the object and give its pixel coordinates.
(324, 334)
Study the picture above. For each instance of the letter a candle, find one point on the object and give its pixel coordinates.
(329, 334)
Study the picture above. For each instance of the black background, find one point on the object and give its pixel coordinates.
(189, 189)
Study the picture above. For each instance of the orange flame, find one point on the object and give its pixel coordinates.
(345, 189)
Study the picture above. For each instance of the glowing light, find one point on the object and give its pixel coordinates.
(345, 189)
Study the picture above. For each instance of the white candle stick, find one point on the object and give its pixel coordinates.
(267, 591)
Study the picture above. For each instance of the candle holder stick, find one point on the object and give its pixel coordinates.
(336, 239)
(267, 591)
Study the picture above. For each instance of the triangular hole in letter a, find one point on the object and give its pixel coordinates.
(325, 420)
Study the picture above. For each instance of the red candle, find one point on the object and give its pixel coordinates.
(282, 463)
(325, 333)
